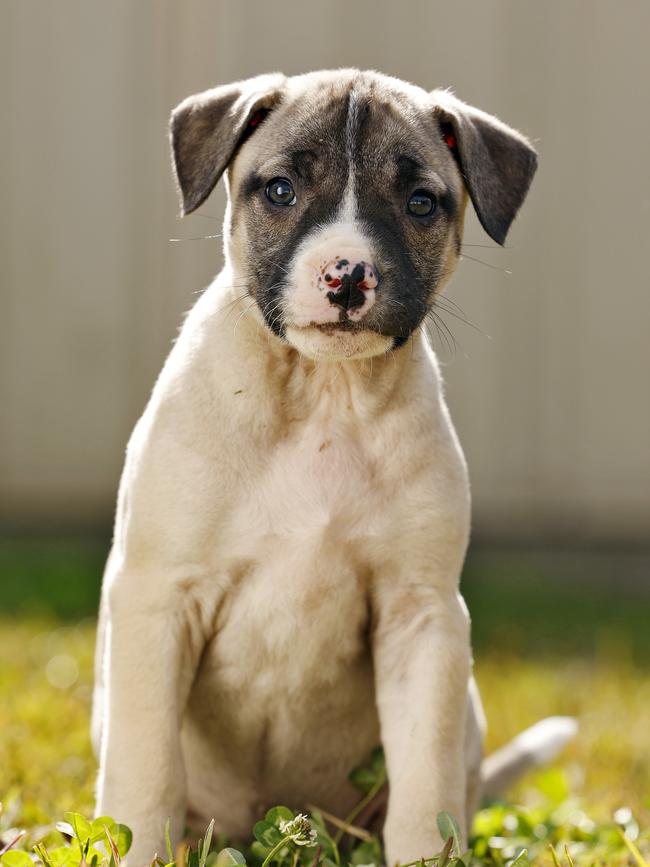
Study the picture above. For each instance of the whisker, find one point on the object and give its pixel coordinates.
(238, 285)
(230, 307)
(446, 333)
(487, 246)
(242, 314)
(462, 319)
(487, 264)
(437, 327)
(197, 238)
(449, 300)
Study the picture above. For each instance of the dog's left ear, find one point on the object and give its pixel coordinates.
(207, 128)
(497, 163)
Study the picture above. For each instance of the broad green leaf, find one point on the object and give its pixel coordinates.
(448, 827)
(122, 837)
(362, 779)
(279, 814)
(98, 827)
(377, 761)
(16, 858)
(81, 826)
(95, 855)
(64, 855)
(521, 860)
(366, 853)
(267, 833)
(372, 774)
(259, 850)
(228, 857)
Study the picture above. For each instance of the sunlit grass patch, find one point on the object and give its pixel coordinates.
(544, 645)
(600, 785)
(46, 762)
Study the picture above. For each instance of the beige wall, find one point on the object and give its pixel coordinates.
(553, 410)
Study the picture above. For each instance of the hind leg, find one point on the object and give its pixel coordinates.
(475, 728)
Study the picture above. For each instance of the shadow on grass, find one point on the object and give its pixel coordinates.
(51, 577)
(524, 600)
(559, 601)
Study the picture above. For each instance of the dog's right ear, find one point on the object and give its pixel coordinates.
(206, 129)
(497, 163)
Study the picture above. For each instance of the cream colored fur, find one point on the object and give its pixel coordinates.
(282, 592)
(272, 510)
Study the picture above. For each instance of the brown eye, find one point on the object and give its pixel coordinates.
(421, 204)
(280, 191)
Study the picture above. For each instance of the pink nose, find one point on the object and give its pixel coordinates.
(347, 282)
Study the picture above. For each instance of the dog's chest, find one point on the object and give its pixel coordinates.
(303, 530)
(319, 485)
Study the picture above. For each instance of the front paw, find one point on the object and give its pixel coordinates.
(418, 837)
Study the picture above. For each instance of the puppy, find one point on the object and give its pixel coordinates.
(282, 592)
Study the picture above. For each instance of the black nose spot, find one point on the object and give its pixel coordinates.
(358, 273)
(349, 295)
(328, 278)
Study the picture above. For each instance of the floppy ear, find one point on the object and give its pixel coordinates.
(207, 128)
(497, 163)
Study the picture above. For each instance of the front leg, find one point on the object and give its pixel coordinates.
(148, 666)
(422, 666)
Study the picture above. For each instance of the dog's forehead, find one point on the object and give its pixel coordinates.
(332, 85)
(348, 116)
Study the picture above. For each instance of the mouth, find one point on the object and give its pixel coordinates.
(332, 327)
(337, 341)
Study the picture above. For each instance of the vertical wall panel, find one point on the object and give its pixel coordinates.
(549, 390)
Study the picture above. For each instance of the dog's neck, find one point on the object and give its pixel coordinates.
(304, 387)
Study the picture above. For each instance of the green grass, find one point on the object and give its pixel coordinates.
(541, 648)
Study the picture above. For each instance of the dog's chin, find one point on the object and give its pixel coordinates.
(329, 343)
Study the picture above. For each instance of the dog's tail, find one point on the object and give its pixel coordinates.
(534, 747)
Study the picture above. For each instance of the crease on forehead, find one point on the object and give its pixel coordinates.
(325, 113)
(300, 123)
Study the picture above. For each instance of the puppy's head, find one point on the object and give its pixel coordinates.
(347, 191)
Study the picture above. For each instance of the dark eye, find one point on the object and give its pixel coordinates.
(280, 191)
(421, 204)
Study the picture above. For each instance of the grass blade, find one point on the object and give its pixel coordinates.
(554, 856)
(638, 857)
(168, 840)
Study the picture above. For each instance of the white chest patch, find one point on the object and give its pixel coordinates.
(305, 530)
